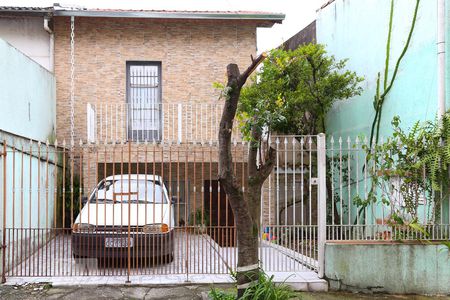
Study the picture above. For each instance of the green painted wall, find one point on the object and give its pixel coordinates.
(357, 30)
(27, 101)
(28, 95)
(392, 268)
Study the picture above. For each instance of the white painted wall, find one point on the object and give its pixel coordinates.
(27, 35)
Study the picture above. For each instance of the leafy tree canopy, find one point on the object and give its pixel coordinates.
(294, 90)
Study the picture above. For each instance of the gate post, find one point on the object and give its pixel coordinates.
(322, 204)
(3, 247)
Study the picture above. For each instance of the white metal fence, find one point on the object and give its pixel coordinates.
(366, 201)
(142, 121)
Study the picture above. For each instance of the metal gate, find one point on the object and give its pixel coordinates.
(124, 209)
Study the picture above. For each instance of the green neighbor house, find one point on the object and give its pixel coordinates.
(358, 30)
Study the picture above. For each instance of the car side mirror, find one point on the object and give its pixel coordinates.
(84, 200)
(174, 200)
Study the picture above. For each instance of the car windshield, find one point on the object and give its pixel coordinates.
(133, 191)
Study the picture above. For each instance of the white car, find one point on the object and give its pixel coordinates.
(129, 211)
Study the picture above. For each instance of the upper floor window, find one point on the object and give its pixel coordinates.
(144, 101)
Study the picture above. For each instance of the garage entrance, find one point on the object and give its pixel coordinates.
(135, 209)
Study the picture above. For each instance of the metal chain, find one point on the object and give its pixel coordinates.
(72, 81)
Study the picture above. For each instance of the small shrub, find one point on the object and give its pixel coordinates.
(218, 294)
(264, 289)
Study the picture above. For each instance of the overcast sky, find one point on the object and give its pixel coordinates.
(299, 13)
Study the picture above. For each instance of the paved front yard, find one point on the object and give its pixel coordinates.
(193, 254)
(43, 291)
(187, 292)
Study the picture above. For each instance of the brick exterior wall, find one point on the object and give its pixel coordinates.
(194, 54)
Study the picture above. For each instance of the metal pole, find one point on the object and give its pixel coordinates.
(322, 198)
(441, 56)
(4, 215)
(72, 82)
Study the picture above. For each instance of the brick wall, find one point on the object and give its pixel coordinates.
(194, 54)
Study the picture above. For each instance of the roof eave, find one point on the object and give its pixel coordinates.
(271, 18)
(26, 13)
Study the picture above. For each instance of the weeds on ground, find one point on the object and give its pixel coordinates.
(264, 289)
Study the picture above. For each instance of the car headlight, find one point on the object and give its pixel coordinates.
(83, 227)
(155, 228)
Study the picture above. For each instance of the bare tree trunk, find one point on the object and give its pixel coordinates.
(245, 206)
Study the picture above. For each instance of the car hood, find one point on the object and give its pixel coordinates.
(120, 214)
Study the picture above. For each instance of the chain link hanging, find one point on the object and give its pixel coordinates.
(72, 81)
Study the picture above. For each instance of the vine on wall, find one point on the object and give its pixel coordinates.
(379, 98)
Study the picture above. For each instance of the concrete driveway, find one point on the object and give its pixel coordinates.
(197, 259)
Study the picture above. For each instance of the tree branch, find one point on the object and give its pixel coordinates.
(255, 63)
(267, 168)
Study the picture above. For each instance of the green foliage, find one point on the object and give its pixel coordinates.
(263, 289)
(68, 193)
(218, 294)
(445, 246)
(417, 160)
(266, 289)
(197, 216)
(407, 229)
(294, 90)
(379, 98)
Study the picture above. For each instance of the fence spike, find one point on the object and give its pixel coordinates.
(56, 143)
(366, 141)
(357, 141)
(332, 140)
(340, 140)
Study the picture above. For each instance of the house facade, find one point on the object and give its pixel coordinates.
(148, 77)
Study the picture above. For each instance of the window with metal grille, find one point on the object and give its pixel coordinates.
(144, 101)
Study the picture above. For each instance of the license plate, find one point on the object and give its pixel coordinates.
(118, 242)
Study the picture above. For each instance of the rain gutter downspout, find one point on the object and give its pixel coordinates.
(441, 57)
(52, 42)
